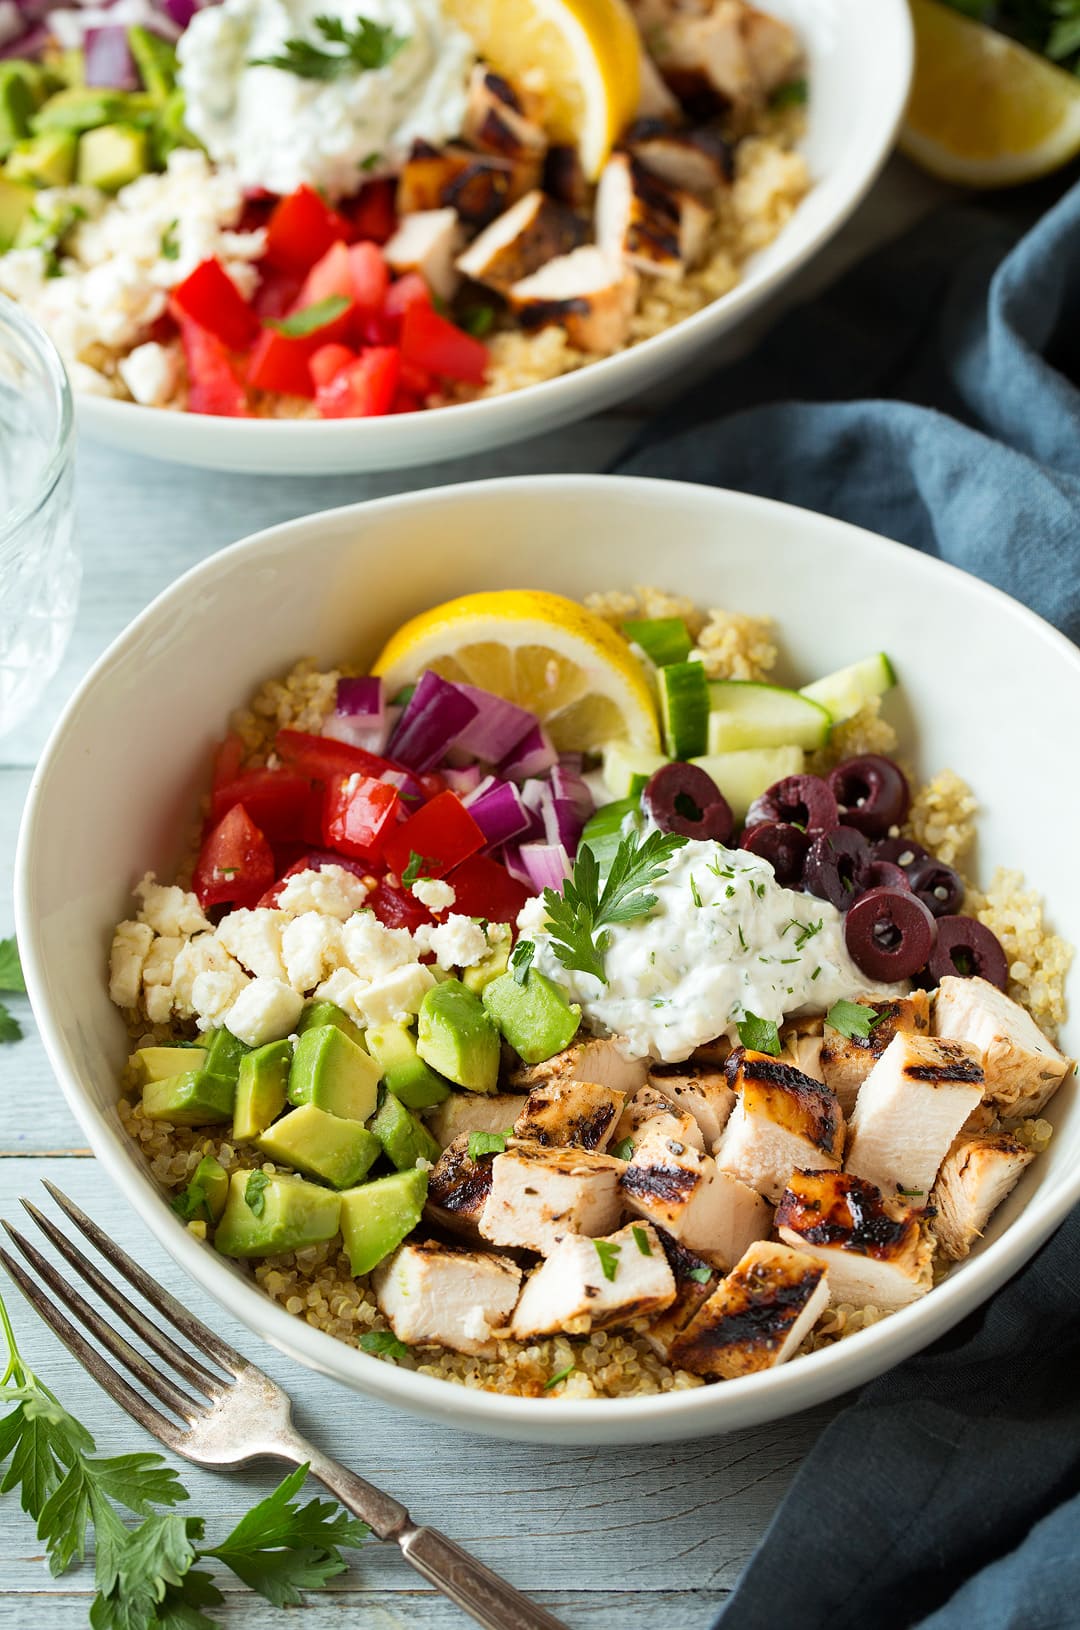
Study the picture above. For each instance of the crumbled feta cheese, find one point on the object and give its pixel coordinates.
(213, 994)
(333, 891)
(254, 939)
(342, 987)
(151, 373)
(265, 1010)
(312, 949)
(169, 909)
(157, 977)
(203, 954)
(371, 949)
(434, 893)
(459, 942)
(395, 997)
(130, 949)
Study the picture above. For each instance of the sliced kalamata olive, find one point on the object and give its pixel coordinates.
(881, 874)
(871, 792)
(801, 800)
(902, 852)
(834, 864)
(889, 934)
(940, 889)
(682, 798)
(782, 845)
(969, 949)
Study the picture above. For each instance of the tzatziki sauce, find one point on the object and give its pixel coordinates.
(723, 941)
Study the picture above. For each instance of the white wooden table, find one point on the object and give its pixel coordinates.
(607, 1539)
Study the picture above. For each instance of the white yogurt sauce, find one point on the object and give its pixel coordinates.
(689, 972)
(280, 130)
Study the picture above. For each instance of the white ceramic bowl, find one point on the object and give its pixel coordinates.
(860, 56)
(994, 691)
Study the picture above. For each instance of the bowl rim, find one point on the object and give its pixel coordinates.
(711, 1408)
(473, 418)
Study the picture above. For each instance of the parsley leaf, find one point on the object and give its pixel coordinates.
(561, 1375)
(417, 867)
(853, 1019)
(609, 1257)
(521, 958)
(791, 95)
(383, 1342)
(254, 1193)
(280, 1549)
(486, 1143)
(311, 318)
(478, 321)
(641, 1239)
(191, 1203)
(760, 1035)
(10, 1028)
(366, 45)
(576, 916)
(11, 974)
(623, 1149)
(700, 1275)
(169, 248)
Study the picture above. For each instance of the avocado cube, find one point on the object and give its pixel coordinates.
(321, 1145)
(404, 1071)
(46, 160)
(497, 960)
(261, 1088)
(158, 1063)
(377, 1217)
(111, 156)
(155, 58)
(206, 1194)
(334, 1074)
(63, 69)
(404, 1138)
(458, 1038)
(80, 108)
(16, 203)
(536, 1018)
(266, 1215)
(192, 1099)
(318, 1013)
(223, 1055)
(17, 105)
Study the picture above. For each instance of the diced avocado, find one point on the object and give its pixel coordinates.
(497, 960)
(111, 156)
(223, 1055)
(80, 108)
(17, 105)
(404, 1138)
(535, 1017)
(63, 69)
(158, 1063)
(16, 203)
(211, 1177)
(319, 1013)
(46, 160)
(261, 1088)
(457, 1038)
(377, 1217)
(192, 1099)
(155, 58)
(333, 1073)
(169, 130)
(404, 1071)
(321, 1145)
(265, 1215)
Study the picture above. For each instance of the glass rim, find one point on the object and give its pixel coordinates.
(15, 319)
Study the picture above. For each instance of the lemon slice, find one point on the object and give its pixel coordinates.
(588, 52)
(984, 111)
(545, 653)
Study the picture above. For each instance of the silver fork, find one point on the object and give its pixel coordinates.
(231, 1418)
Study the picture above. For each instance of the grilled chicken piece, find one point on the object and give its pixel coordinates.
(682, 1191)
(976, 1175)
(428, 242)
(695, 1281)
(698, 161)
(478, 186)
(564, 178)
(570, 1113)
(782, 1119)
(727, 49)
(496, 121)
(530, 233)
(1023, 1069)
(714, 1053)
(458, 1189)
(586, 293)
(474, 1112)
(652, 1110)
(446, 1294)
(911, 1106)
(760, 1315)
(875, 1253)
(846, 1061)
(598, 1060)
(697, 1090)
(539, 1196)
(653, 227)
(571, 1291)
(655, 100)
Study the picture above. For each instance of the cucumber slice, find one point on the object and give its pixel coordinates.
(663, 639)
(684, 708)
(849, 689)
(747, 714)
(743, 776)
(626, 768)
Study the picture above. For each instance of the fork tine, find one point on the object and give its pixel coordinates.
(194, 1373)
(103, 1373)
(203, 1337)
(113, 1342)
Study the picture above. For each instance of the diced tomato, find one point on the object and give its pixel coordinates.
(376, 328)
(279, 363)
(277, 293)
(208, 296)
(414, 379)
(410, 290)
(228, 756)
(280, 802)
(483, 888)
(330, 275)
(405, 402)
(212, 385)
(432, 782)
(258, 207)
(358, 814)
(442, 833)
(313, 860)
(329, 360)
(363, 390)
(373, 213)
(235, 864)
(322, 758)
(370, 276)
(433, 343)
(397, 907)
(301, 230)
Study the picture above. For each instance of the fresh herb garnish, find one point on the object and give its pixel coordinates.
(695, 892)
(486, 1143)
(623, 1149)
(909, 1193)
(759, 1035)
(560, 1376)
(417, 867)
(742, 938)
(478, 321)
(302, 323)
(701, 1276)
(791, 95)
(641, 1239)
(370, 162)
(804, 931)
(170, 242)
(576, 916)
(853, 1019)
(11, 979)
(192, 1205)
(521, 960)
(383, 1343)
(609, 1256)
(254, 1193)
(364, 46)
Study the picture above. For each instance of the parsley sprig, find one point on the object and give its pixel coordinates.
(366, 45)
(578, 916)
(148, 1576)
(11, 979)
(853, 1019)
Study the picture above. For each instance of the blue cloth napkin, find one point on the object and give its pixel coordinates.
(932, 395)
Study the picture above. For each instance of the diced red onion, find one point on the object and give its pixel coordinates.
(434, 717)
(107, 61)
(533, 755)
(547, 864)
(572, 761)
(30, 44)
(498, 727)
(361, 717)
(536, 796)
(499, 812)
(511, 859)
(180, 11)
(465, 780)
(409, 788)
(361, 698)
(568, 784)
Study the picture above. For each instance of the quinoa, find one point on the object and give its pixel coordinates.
(1038, 959)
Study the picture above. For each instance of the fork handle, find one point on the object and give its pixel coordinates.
(484, 1596)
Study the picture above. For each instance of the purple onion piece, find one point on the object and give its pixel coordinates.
(410, 790)
(466, 780)
(533, 755)
(499, 812)
(361, 698)
(497, 729)
(515, 865)
(546, 864)
(568, 784)
(434, 717)
(107, 59)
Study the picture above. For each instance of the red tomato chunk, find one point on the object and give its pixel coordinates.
(359, 813)
(208, 296)
(301, 230)
(364, 389)
(278, 801)
(235, 864)
(431, 342)
(483, 888)
(442, 833)
(212, 385)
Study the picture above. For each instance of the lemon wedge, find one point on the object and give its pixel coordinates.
(588, 52)
(547, 654)
(985, 111)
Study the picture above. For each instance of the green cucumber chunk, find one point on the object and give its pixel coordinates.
(744, 713)
(664, 640)
(155, 58)
(404, 1139)
(848, 690)
(626, 769)
(606, 828)
(320, 1145)
(377, 1217)
(744, 775)
(333, 1073)
(684, 708)
(536, 1018)
(265, 1215)
(406, 1075)
(261, 1089)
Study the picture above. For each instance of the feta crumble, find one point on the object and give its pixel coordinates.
(434, 893)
